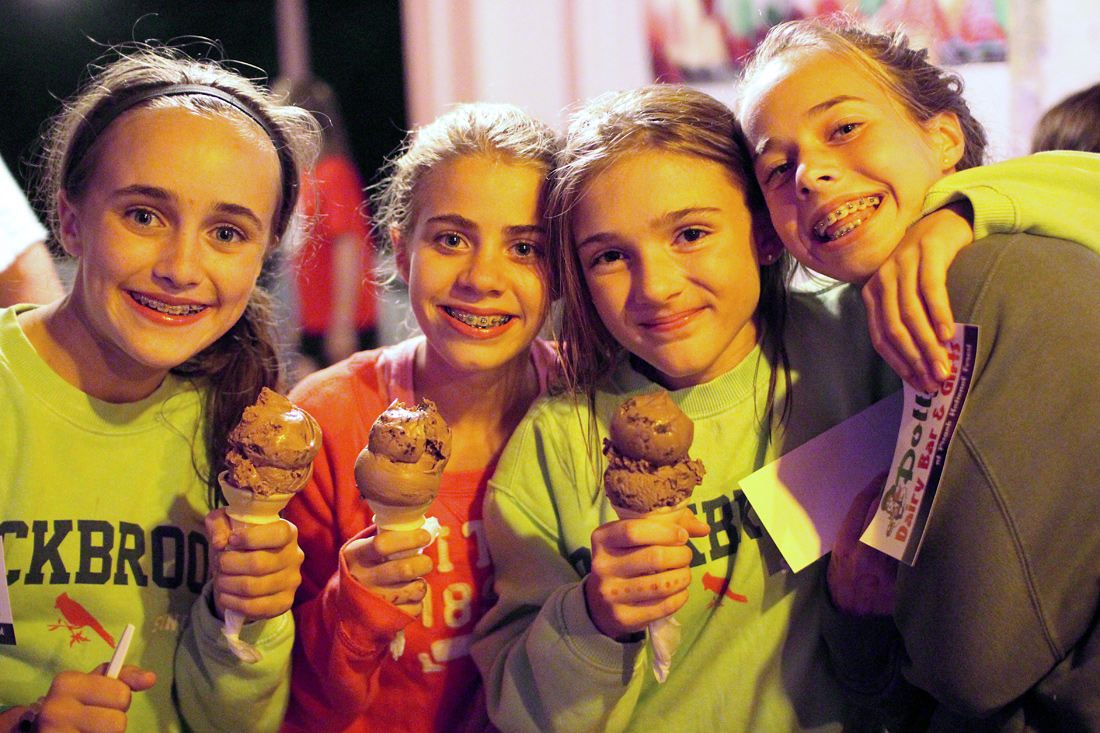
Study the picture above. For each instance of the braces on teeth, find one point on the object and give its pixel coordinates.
(479, 321)
(172, 310)
(847, 209)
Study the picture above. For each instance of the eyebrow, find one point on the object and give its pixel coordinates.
(458, 220)
(160, 194)
(811, 112)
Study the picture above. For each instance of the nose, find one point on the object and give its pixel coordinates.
(177, 265)
(482, 271)
(656, 277)
(814, 171)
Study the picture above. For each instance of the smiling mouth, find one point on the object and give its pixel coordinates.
(846, 218)
(477, 321)
(166, 308)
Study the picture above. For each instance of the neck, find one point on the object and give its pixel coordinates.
(63, 340)
(482, 407)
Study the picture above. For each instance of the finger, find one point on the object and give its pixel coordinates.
(90, 689)
(404, 594)
(632, 533)
(393, 572)
(933, 283)
(388, 543)
(894, 297)
(218, 528)
(694, 526)
(272, 536)
(259, 563)
(136, 678)
(621, 618)
(883, 345)
(646, 561)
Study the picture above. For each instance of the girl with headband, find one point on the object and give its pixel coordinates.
(170, 181)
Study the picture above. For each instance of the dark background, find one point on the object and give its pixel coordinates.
(46, 46)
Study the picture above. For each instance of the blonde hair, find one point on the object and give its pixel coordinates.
(494, 131)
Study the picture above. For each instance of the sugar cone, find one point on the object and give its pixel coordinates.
(247, 507)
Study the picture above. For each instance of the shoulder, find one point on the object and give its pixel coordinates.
(1024, 269)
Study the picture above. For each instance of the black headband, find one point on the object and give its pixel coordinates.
(110, 111)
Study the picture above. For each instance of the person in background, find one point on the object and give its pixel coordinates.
(170, 180)
(27, 272)
(462, 206)
(332, 264)
(1072, 124)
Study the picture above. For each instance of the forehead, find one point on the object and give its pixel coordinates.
(193, 155)
(801, 83)
(479, 185)
(656, 182)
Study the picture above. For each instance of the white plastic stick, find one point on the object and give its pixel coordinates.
(120, 652)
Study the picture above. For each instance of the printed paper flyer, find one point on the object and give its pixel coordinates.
(927, 426)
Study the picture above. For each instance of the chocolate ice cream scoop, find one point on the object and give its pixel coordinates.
(648, 464)
(273, 446)
(405, 456)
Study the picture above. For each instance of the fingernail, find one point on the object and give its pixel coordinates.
(945, 333)
(943, 370)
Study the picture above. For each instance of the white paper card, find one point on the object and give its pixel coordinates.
(802, 497)
(7, 624)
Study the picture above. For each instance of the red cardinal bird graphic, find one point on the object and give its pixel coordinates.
(77, 618)
(721, 588)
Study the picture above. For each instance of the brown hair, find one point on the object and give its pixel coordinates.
(235, 367)
(656, 117)
(1072, 124)
(924, 89)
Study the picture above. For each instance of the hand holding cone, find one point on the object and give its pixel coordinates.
(399, 472)
(270, 459)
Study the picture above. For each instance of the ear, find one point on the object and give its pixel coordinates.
(68, 219)
(947, 139)
(400, 254)
(769, 247)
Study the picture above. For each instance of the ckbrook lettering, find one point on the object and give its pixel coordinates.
(101, 553)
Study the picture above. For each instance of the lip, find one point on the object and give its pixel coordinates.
(842, 216)
(471, 331)
(145, 304)
(669, 323)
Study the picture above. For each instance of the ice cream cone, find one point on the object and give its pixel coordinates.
(249, 507)
(398, 518)
(666, 513)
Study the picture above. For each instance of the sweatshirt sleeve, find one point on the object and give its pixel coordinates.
(343, 642)
(216, 691)
(1051, 194)
(544, 664)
